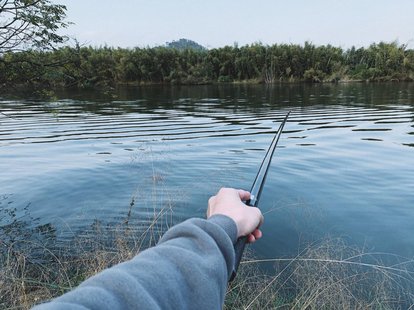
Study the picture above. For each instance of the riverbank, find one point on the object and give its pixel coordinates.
(35, 267)
(74, 163)
(106, 67)
(325, 275)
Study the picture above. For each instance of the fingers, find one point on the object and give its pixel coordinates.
(261, 218)
(255, 235)
(251, 239)
(229, 202)
(244, 195)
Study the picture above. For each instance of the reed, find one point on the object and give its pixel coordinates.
(326, 275)
(34, 270)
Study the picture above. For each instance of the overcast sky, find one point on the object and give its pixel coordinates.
(215, 23)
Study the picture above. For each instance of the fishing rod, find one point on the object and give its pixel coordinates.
(256, 191)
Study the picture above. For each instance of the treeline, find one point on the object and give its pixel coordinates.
(96, 67)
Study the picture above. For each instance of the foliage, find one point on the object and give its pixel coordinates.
(107, 67)
(183, 44)
(30, 24)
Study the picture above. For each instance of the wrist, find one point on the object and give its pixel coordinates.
(227, 223)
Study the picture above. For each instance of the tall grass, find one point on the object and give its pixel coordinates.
(36, 265)
(327, 275)
(324, 275)
(34, 269)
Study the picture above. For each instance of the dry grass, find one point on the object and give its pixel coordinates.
(35, 267)
(31, 271)
(34, 271)
(328, 275)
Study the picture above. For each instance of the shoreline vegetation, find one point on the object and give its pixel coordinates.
(327, 274)
(108, 67)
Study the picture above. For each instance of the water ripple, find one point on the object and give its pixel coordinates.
(342, 151)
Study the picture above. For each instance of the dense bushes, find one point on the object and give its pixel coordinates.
(94, 67)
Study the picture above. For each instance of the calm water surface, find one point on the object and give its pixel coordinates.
(344, 166)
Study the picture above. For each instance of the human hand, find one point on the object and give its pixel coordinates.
(229, 202)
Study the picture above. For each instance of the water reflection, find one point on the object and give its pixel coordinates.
(346, 153)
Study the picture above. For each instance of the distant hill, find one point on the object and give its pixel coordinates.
(183, 44)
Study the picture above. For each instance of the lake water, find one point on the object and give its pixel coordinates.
(344, 166)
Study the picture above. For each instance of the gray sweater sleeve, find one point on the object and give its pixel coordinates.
(188, 269)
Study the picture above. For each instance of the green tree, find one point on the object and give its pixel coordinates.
(106, 67)
(28, 24)
(184, 44)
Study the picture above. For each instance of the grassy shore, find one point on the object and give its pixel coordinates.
(326, 275)
(35, 266)
(106, 67)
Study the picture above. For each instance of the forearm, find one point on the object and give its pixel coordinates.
(189, 268)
